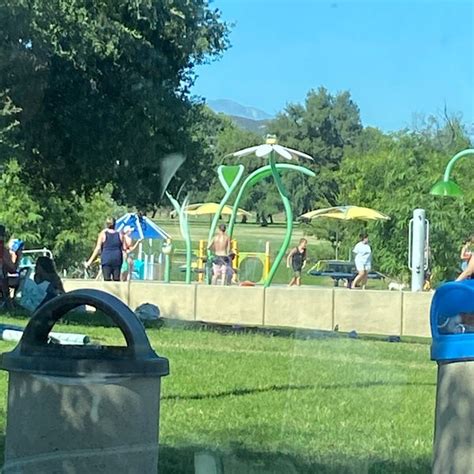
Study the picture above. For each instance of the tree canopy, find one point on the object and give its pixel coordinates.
(100, 90)
(324, 127)
(394, 173)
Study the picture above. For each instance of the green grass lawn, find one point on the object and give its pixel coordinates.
(273, 404)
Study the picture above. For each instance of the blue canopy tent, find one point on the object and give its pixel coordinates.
(142, 228)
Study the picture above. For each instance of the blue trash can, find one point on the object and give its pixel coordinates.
(452, 329)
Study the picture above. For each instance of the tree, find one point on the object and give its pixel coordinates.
(324, 127)
(19, 212)
(68, 227)
(200, 175)
(224, 138)
(8, 127)
(103, 88)
(73, 224)
(394, 174)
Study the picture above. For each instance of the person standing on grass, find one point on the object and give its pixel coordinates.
(296, 260)
(220, 247)
(363, 261)
(110, 247)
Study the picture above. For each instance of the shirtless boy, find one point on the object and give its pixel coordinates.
(220, 247)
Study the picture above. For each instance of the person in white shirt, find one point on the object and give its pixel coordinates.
(363, 261)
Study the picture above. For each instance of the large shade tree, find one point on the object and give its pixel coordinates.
(100, 89)
(325, 126)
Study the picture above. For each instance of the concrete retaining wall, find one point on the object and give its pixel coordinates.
(370, 312)
(118, 289)
(415, 314)
(309, 308)
(230, 304)
(176, 301)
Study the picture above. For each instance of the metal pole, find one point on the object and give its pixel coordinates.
(450, 165)
(267, 260)
(289, 220)
(145, 267)
(151, 267)
(167, 263)
(418, 241)
(254, 178)
(140, 251)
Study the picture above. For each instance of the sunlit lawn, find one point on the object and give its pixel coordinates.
(263, 403)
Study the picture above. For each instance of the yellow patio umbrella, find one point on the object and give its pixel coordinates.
(346, 213)
(202, 209)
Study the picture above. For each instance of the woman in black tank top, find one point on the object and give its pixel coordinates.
(111, 248)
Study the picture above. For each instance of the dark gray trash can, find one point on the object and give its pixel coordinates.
(83, 409)
(452, 327)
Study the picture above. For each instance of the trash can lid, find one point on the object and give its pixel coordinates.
(452, 322)
(35, 355)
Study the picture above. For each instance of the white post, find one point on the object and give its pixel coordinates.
(151, 266)
(145, 267)
(416, 254)
(140, 251)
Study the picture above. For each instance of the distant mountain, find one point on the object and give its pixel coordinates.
(257, 126)
(229, 107)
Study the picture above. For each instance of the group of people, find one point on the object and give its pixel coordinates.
(296, 260)
(115, 249)
(363, 262)
(222, 271)
(116, 262)
(33, 292)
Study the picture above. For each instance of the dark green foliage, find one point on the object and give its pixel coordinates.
(394, 174)
(8, 126)
(324, 127)
(103, 88)
(22, 214)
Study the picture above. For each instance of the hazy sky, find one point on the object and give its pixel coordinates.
(397, 59)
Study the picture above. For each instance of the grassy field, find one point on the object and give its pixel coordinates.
(266, 403)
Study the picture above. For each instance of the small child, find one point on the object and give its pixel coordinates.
(297, 260)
